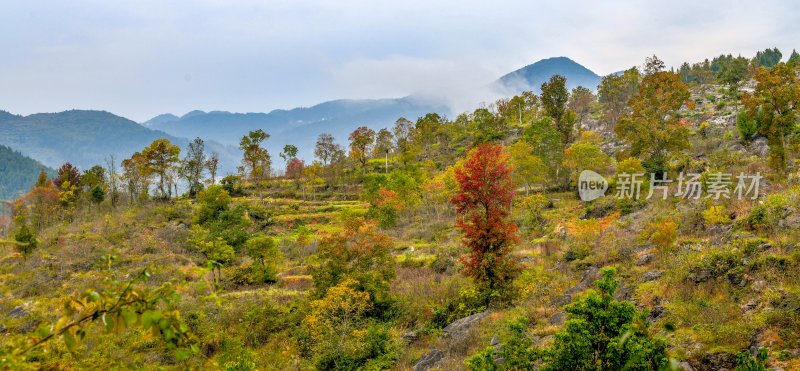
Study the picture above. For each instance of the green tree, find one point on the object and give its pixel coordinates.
(25, 240)
(653, 129)
(216, 250)
(546, 143)
(264, 250)
(97, 194)
(615, 91)
(529, 169)
(326, 148)
(768, 57)
(95, 176)
(211, 203)
(773, 105)
(289, 153)
(604, 334)
(383, 142)
(193, 166)
(586, 154)
(160, 157)
(256, 158)
(361, 141)
(733, 73)
(794, 58)
(581, 101)
(554, 100)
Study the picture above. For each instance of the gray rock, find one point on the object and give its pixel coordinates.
(494, 341)
(718, 361)
(18, 312)
(700, 275)
(562, 300)
(685, 366)
(462, 325)
(655, 314)
(760, 147)
(589, 276)
(429, 360)
(644, 259)
(652, 275)
(409, 336)
(557, 319)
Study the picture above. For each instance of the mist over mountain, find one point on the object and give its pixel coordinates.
(87, 137)
(533, 75)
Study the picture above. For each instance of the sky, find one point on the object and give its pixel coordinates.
(142, 58)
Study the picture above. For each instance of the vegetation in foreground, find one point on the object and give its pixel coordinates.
(457, 244)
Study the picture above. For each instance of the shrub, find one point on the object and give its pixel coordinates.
(25, 240)
(468, 302)
(662, 233)
(747, 362)
(265, 252)
(342, 335)
(602, 333)
(518, 352)
(769, 215)
(747, 126)
(715, 215)
(212, 202)
(599, 334)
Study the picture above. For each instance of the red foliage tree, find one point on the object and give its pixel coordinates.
(68, 172)
(483, 203)
(294, 169)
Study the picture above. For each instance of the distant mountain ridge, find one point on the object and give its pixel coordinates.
(84, 137)
(298, 126)
(87, 137)
(533, 75)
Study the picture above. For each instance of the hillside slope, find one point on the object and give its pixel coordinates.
(17, 173)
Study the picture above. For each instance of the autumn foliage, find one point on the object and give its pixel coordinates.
(483, 203)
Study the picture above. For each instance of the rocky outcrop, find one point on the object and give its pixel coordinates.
(429, 360)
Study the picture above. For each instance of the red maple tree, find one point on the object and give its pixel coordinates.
(483, 204)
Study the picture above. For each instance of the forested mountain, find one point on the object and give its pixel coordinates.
(85, 138)
(18, 173)
(533, 75)
(298, 126)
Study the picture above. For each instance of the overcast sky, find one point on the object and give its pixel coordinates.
(142, 58)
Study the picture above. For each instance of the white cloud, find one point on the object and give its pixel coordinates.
(133, 57)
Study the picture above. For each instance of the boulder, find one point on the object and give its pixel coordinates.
(652, 275)
(718, 361)
(429, 360)
(760, 147)
(655, 313)
(644, 259)
(462, 325)
(18, 312)
(409, 336)
(557, 318)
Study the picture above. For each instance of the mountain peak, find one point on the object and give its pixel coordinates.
(533, 75)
